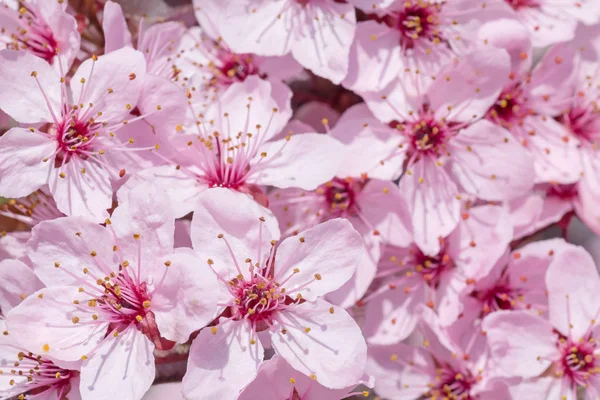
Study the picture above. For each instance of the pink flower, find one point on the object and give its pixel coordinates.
(553, 21)
(529, 101)
(42, 28)
(410, 279)
(409, 42)
(23, 373)
(525, 345)
(374, 207)
(318, 34)
(230, 146)
(516, 282)
(440, 146)
(113, 292)
(545, 205)
(73, 148)
(277, 380)
(158, 43)
(271, 291)
(448, 363)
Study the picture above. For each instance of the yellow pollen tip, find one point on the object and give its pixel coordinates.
(146, 304)
(214, 330)
(292, 381)
(46, 347)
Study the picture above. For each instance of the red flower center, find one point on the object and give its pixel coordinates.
(257, 299)
(583, 122)
(35, 35)
(431, 267)
(517, 4)
(340, 195)
(452, 384)
(509, 109)
(235, 68)
(578, 361)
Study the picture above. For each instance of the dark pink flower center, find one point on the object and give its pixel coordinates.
(74, 138)
(562, 191)
(340, 195)
(509, 109)
(235, 68)
(34, 34)
(452, 384)
(499, 297)
(426, 135)
(584, 123)
(257, 299)
(518, 4)
(577, 361)
(431, 267)
(41, 375)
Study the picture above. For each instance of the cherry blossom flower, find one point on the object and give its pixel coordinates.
(276, 380)
(38, 206)
(448, 363)
(409, 279)
(525, 345)
(318, 34)
(530, 99)
(272, 291)
(232, 148)
(517, 281)
(42, 28)
(553, 21)
(374, 207)
(24, 374)
(113, 293)
(72, 148)
(409, 42)
(440, 147)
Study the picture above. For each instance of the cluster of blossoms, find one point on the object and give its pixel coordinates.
(300, 200)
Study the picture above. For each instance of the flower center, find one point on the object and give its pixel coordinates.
(509, 108)
(583, 122)
(517, 4)
(452, 384)
(500, 297)
(257, 299)
(42, 375)
(562, 191)
(235, 68)
(124, 302)
(340, 195)
(578, 361)
(34, 34)
(431, 267)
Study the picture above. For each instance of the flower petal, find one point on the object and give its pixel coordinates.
(17, 281)
(123, 367)
(319, 260)
(311, 344)
(116, 32)
(22, 169)
(222, 363)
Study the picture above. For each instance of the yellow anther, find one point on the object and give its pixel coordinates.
(214, 330)
(146, 303)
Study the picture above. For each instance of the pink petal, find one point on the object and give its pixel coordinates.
(145, 212)
(491, 164)
(279, 68)
(395, 376)
(182, 233)
(480, 239)
(69, 242)
(181, 189)
(326, 256)
(312, 114)
(123, 71)
(535, 212)
(395, 102)
(305, 161)
(22, 169)
(185, 299)
(392, 316)
(539, 388)
(64, 31)
(123, 367)
(169, 390)
(516, 340)
(237, 217)
(159, 43)
(573, 283)
(470, 86)
(512, 36)
(81, 194)
(552, 81)
(222, 363)
(311, 344)
(163, 102)
(368, 143)
(17, 281)
(589, 192)
(270, 108)
(555, 153)
(375, 57)
(13, 245)
(384, 207)
(433, 204)
(116, 32)
(53, 314)
(19, 83)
